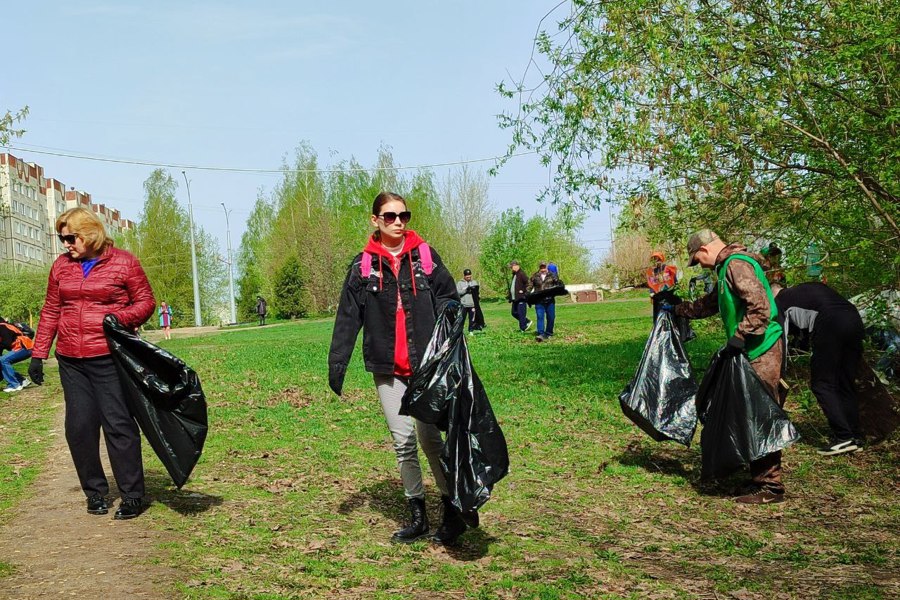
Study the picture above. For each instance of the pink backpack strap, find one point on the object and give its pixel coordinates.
(425, 258)
(365, 265)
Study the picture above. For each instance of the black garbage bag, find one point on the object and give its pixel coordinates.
(539, 296)
(446, 391)
(741, 421)
(164, 396)
(478, 323)
(682, 325)
(661, 397)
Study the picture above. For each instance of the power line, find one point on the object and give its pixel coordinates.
(149, 163)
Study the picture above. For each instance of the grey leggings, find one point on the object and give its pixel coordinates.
(404, 429)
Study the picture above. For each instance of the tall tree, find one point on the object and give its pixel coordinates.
(467, 212)
(760, 119)
(253, 255)
(162, 241)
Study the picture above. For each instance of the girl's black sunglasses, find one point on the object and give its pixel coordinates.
(390, 217)
(67, 239)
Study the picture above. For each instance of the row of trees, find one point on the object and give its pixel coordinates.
(301, 237)
(760, 119)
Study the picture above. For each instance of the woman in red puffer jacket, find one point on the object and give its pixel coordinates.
(91, 280)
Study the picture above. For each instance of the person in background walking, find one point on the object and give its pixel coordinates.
(165, 319)
(467, 288)
(394, 291)
(90, 280)
(750, 316)
(261, 309)
(18, 347)
(837, 334)
(518, 288)
(542, 280)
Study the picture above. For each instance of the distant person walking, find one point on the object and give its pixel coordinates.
(90, 280)
(518, 289)
(261, 309)
(467, 289)
(543, 280)
(17, 347)
(165, 319)
(394, 291)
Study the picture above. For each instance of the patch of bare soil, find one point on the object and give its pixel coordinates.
(58, 550)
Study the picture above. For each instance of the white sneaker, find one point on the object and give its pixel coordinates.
(11, 389)
(839, 447)
(26, 382)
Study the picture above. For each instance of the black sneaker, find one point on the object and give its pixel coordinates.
(129, 508)
(840, 447)
(97, 505)
(528, 325)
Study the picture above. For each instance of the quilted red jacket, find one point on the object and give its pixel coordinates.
(75, 305)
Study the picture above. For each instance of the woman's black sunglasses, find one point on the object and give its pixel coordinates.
(67, 239)
(390, 217)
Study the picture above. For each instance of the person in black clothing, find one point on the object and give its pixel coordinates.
(518, 289)
(261, 309)
(394, 290)
(836, 334)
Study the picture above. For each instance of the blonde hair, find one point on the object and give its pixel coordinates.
(87, 225)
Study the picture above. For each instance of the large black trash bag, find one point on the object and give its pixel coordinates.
(741, 421)
(539, 296)
(661, 397)
(164, 396)
(446, 391)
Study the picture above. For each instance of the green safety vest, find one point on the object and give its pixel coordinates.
(732, 310)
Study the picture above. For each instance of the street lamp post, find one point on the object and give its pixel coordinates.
(197, 320)
(230, 267)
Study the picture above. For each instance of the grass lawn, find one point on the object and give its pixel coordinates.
(298, 492)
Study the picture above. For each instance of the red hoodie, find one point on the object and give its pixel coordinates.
(411, 240)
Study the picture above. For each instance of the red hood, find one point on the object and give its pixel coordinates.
(411, 240)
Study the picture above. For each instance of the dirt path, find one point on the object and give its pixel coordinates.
(58, 550)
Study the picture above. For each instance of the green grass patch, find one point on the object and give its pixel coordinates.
(297, 492)
(26, 423)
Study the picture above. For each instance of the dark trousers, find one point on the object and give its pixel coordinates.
(262, 319)
(836, 351)
(94, 399)
(520, 312)
(766, 471)
(469, 311)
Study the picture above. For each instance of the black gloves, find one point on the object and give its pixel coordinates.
(336, 378)
(36, 371)
(735, 345)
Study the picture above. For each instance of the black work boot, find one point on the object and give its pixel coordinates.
(418, 526)
(452, 525)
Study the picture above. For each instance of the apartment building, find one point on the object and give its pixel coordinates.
(29, 206)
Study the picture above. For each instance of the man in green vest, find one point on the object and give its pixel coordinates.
(743, 299)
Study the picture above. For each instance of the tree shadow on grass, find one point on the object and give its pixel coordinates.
(386, 497)
(184, 501)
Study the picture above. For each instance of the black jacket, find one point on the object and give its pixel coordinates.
(372, 306)
(521, 280)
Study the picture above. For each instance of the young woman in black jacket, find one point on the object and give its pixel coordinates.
(393, 292)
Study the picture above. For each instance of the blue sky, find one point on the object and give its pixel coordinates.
(240, 84)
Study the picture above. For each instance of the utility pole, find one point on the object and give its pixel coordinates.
(197, 320)
(230, 268)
